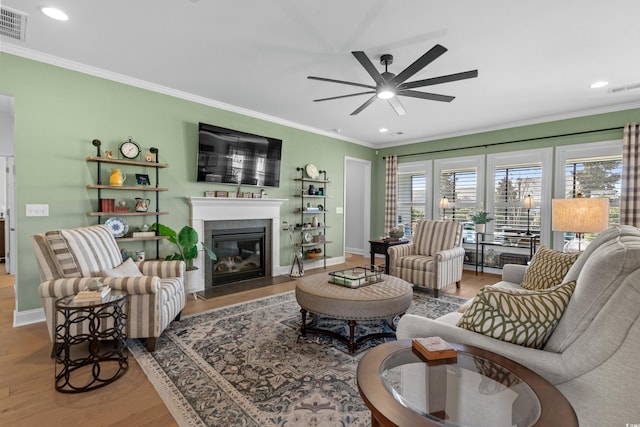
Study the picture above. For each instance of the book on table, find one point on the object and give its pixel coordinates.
(434, 348)
(92, 295)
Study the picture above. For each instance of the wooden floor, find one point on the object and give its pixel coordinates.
(27, 394)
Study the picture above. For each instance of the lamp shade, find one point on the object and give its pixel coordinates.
(444, 203)
(528, 202)
(580, 215)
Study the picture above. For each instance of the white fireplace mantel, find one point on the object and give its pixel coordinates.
(222, 209)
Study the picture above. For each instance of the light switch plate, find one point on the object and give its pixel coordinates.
(339, 210)
(37, 210)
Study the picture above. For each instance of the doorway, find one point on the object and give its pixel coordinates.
(357, 205)
(7, 187)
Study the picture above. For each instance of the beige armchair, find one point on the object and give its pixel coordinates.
(69, 259)
(435, 257)
(591, 355)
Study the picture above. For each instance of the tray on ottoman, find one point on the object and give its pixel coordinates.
(355, 277)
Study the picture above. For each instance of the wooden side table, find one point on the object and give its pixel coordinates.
(382, 247)
(96, 328)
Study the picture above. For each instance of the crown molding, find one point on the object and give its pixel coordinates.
(143, 84)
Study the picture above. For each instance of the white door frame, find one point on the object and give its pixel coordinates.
(365, 215)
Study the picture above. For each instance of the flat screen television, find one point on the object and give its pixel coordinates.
(233, 157)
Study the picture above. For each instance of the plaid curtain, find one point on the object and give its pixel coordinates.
(629, 203)
(391, 175)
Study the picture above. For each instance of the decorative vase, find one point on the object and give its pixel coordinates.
(314, 221)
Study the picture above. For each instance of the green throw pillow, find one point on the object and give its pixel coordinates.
(547, 269)
(517, 316)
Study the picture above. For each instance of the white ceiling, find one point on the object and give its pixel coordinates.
(536, 59)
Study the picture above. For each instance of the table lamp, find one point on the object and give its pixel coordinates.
(579, 215)
(444, 204)
(527, 203)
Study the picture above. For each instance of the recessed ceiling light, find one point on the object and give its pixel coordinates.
(54, 13)
(383, 130)
(598, 84)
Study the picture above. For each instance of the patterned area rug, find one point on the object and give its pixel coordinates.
(244, 365)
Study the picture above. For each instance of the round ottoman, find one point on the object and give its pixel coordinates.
(382, 300)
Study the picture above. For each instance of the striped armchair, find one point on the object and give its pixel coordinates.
(435, 257)
(69, 259)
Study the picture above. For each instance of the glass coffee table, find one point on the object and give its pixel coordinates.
(478, 388)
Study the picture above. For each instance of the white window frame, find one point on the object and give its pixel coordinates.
(461, 163)
(421, 167)
(544, 156)
(567, 152)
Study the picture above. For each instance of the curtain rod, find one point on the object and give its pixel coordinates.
(539, 138)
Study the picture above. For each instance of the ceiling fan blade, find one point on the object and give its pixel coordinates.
(433, 54)
(439, 80)
(343, 96)
(322, 79)
(364, 60)
(425, 95)
(365, 105)
(397, 106)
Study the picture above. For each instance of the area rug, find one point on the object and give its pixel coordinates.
(245, 365)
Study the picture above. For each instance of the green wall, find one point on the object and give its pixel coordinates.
(59, 112)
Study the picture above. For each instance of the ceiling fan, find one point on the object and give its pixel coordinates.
(388, 85)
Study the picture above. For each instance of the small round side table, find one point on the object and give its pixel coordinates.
(91, 349)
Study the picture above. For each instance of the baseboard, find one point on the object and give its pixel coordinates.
(28, 317)
(355, 251)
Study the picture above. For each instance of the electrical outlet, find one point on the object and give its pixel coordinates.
(37, 210)
(339, 210)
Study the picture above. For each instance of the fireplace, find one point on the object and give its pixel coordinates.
(211, 215)
(241, 249)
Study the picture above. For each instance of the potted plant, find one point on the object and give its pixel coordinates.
(480, 220)
(186, 242)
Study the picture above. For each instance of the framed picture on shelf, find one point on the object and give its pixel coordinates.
(142, 179)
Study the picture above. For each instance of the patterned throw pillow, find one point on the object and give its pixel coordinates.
(547, 269)
(517, 316)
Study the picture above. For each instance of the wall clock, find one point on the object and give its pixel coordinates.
(129, 149)
(312, 170)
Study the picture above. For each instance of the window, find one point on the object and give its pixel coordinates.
(596, 177)
(413, 195)
(593, 170)
(461, 181)
(511, 185)
(459, 187)
(511, 177)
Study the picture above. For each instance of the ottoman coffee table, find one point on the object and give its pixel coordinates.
(383, 300)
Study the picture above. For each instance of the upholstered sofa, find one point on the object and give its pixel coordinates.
(592, 354)
(434, 259)
(70, 259)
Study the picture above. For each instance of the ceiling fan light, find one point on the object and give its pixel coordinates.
(385, 93)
